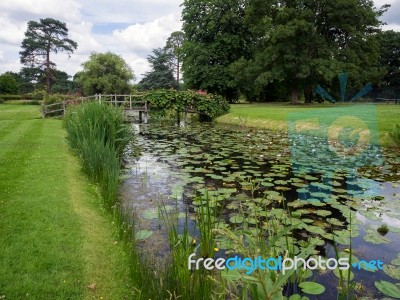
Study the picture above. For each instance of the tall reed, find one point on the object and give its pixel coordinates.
(98, 135)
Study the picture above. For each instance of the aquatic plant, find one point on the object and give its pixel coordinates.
(98, 135)
(179, 280)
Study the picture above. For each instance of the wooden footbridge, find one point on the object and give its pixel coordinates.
(130, 103)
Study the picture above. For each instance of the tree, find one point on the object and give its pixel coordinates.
(8, 84)
(161, 76)
(216, 36)
(300, 42)
(31, 79)
(105, 73)
(389, 42)
(62, 83)
(42, 38)
(174, 48)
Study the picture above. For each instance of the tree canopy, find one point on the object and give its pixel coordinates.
(306, 42)
(174, 48)
(216, 36)
(389, 42)
(8, 84)
(256, 46)
(161, 75)
(105, 73)
(42, 38)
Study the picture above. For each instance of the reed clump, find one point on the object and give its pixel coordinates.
(98, 135)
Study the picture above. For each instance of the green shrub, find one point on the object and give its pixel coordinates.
(395, 134)
(208, 105)
(1, 101)
(6, 97)
(99, 136)
(50, 99)
(24, 102)
(38, 95)
(22, 97)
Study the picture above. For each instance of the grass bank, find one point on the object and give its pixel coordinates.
(57, 241)
(274, 116)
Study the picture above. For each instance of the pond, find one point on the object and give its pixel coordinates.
(250, 175)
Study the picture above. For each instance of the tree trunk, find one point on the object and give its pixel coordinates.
(308, 94)
(178, 117)
(177, 72)
(295, 94)
(48, 73)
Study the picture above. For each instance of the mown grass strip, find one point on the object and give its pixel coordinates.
(273, 116)
(56, 241)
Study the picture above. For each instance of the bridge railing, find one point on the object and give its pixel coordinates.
(132, 102)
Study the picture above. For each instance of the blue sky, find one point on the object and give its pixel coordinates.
(130, 28)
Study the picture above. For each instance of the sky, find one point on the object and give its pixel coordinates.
(130, 28)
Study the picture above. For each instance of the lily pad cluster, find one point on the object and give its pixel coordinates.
(252, 177)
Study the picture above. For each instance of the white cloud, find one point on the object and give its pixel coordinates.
(147, 24)
(11, 32)
(149, 35)
(394, 27)
(22, 9)
(82, 34)
(128, 11)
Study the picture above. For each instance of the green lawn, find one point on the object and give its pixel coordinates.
(55, 238)
(274, 116)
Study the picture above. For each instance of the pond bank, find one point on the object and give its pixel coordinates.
(274, 116)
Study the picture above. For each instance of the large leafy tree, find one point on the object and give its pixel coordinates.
(105, 73)
(161, 76)
(302, 42)
(8, 84)
(42, 38)
(216, 36)
(63, 83)
(30, 79)
(389, 42)
(174, 48)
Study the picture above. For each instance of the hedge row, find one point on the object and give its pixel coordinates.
(38, 95)
(209, 105)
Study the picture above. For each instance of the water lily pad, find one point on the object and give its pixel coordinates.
(370, 215)
(396, 261)
(334, 221)
(319, 195)
(237, 219)
(375, 238)
(151, 213)
(323, 213)
(345, 274)
(394, 229)
(392, 271)
(143, 234)
(388, 289)
(315, 229)
(213, 176)
(312, 288)
(280, 182)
